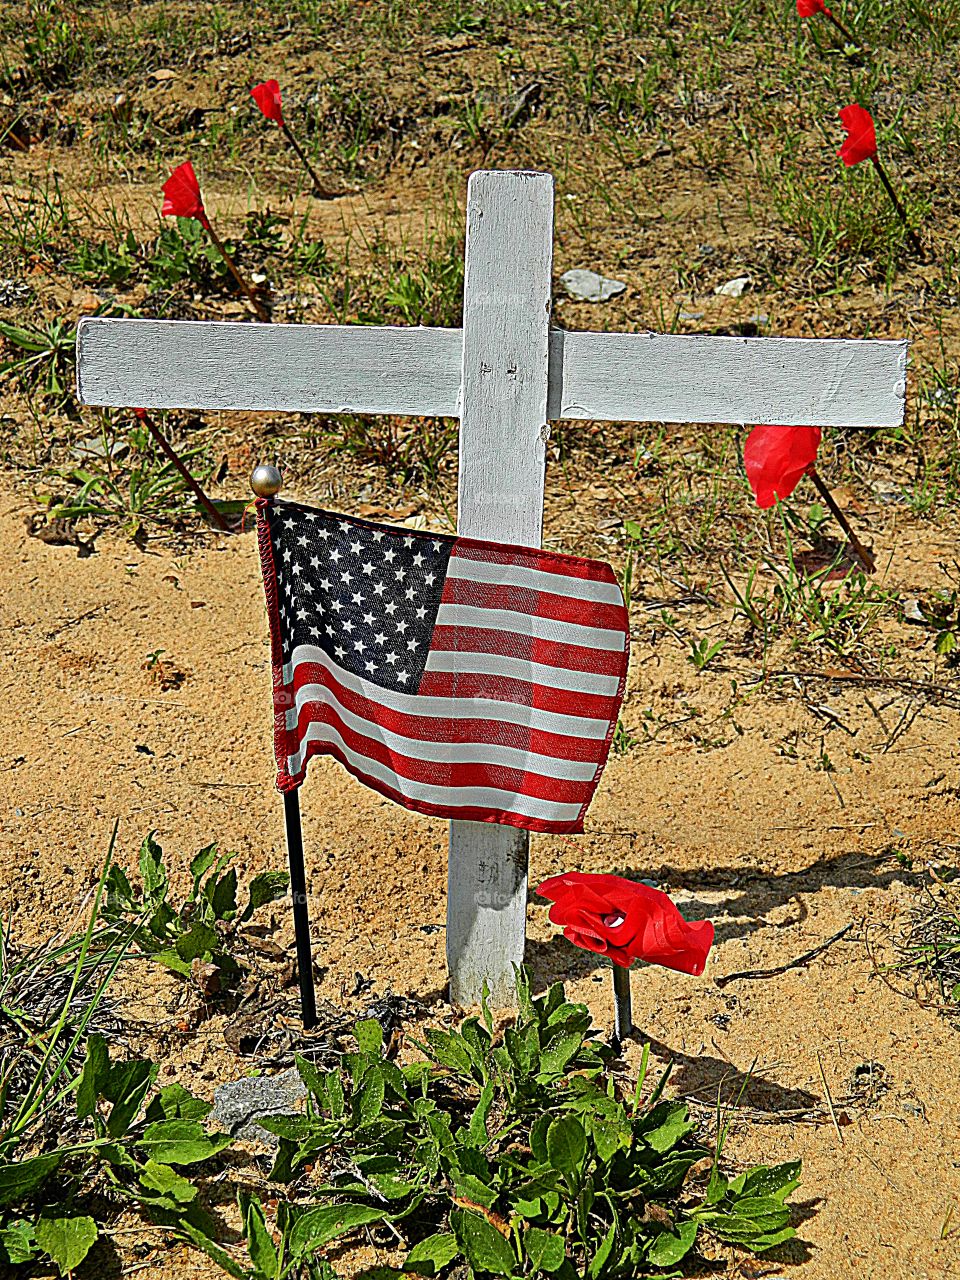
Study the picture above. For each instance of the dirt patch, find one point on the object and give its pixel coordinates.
(778, 852)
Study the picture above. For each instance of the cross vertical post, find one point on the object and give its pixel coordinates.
(503, 435)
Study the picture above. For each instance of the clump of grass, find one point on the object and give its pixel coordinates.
(930, 947)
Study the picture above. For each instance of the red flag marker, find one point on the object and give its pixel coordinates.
(182, 199)
(268, 99)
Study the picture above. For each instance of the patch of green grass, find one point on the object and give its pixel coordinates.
(124, 477)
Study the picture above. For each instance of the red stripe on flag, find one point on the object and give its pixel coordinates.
(575, 657)
(539, 604)
(565, 702)
(527, 558)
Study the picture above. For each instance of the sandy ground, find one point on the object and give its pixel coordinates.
(779, 853)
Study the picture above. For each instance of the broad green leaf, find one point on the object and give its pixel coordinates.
(392, 1186)
(369, 1102)
(776, 1180)
(264, 888)
(448, 1050)
(66, 1240)
(21, 1177)
(224, 899)
(561, 1051)
(477, 1131)
(296, 1128)
(17, 1242)
(523, 1046)
(169, 958)
(768, 1240)
(126, 1087)
(668, 1247)
(199, 940)
(152, 871)
(482, 1244)
(717, 1186)
(335, 1096)
(318, 1226)
(766, 1211)
(181, 1142)
(260, 1246)
(545, 1250)
(369, 1036)
(666, 1126)
(93, 1077)
(435, 1252)
(202, 862)
(741, 1227)
(311, 1077)
(538, 1137)
(160, 1177)
(566, 1144)
(669, 1172)
(469, 1187)
(174, 1102)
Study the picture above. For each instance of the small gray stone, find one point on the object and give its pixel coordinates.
(587, 286)
(733, 288)
(238, 1103)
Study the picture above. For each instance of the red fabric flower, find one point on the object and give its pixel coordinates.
(626, 921)
(861, 143)
(267, 98)
(807, 8)
(181, 195)
(777, 459)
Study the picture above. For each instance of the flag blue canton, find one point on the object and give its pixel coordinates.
(367, 595)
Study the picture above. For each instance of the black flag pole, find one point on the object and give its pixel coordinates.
(265, 483)
(301, 921)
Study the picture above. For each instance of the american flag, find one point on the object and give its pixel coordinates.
(460, 678)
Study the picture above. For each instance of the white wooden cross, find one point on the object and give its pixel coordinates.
(506, 374)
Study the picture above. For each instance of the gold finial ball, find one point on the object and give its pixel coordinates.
(266, 481)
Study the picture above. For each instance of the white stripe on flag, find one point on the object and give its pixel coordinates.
(445, 752)
(463, 797)
(516, 575)
(464, 662)
(524, 624)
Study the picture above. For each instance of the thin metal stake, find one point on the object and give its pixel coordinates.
(301, 920)
(622, 1013)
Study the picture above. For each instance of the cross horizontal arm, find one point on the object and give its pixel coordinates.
(617, 377)
(297, 368)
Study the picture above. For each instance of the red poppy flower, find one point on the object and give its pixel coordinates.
(861, 143)
(181, 195)
(777, 459)
(626, 921)
(807, 8)
(267, 98)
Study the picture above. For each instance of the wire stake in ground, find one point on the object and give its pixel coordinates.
(268, 99)
(860, 551)
(172, 456)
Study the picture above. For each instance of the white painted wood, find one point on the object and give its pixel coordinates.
(503, 435)
(649, 377)
(614, 377)
(182, 364)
